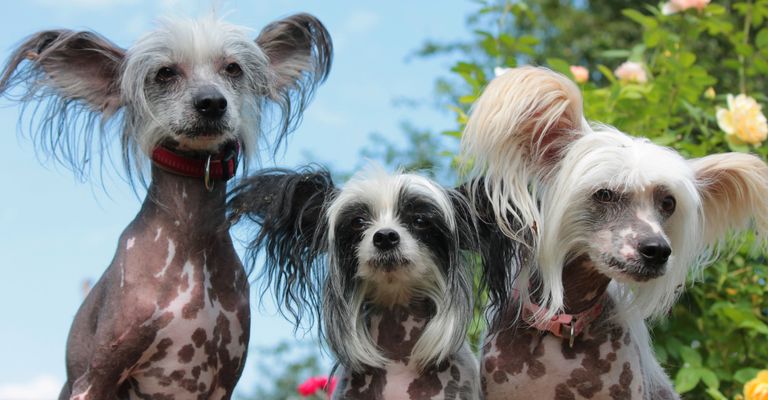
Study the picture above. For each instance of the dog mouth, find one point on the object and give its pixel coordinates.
(634, 271)
(388, 261)
(206, 131)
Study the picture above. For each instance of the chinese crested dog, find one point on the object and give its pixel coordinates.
(381, 258)
(170, 316)
(608, 228)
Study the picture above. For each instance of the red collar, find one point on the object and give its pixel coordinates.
(562, 325)
(221, 166)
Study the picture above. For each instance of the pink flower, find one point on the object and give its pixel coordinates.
(315, 383)
(580, 74)
(675, 6)
(631, 72)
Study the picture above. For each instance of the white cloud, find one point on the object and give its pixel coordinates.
(44, 387)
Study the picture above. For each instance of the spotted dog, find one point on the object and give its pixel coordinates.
(604, 229)
(380, 260)
(169, 318)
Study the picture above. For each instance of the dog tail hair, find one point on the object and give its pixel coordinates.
(288, 210)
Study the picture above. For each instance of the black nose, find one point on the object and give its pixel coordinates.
(209, 103)
(386, 239)
(654, 251)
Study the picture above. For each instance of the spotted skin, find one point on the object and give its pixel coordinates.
(396, 330)
(520, 362)
(169, 319)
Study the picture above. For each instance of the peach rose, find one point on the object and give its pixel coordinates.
(580, 74)
(675, 6)
(631, 72)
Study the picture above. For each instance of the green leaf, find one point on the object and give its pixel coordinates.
(687, 379)
(607, 73)
(715, 394)
(745, 375)
(645, 21)
(761, 40)
(617, 53)
(560, 66)
(709, 378)
(690, 356)
(651, 38)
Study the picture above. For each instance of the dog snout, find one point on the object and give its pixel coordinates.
(210, 103)
(386, 239)
(655, 251)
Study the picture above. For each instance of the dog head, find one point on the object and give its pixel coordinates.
(190, 84)
(642, 213)
(380, 241)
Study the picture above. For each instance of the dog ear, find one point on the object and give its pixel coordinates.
(76, 76)
(289, 209)
(77, 66)
(734, 189)
(501, 256)
(516, 134)
(300, 51)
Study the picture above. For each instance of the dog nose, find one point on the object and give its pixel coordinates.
(386, 239)
(654, 251)
(209, 103)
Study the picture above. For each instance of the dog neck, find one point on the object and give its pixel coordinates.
(583, 285)
(186, 201)
(396, 329)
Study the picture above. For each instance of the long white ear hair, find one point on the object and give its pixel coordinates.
(514, 138)
(734, 194)
(516, 135)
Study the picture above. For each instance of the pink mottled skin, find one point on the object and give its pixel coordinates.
(169, 318)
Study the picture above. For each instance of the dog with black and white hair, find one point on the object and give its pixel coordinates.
(170, 316)
(381, 261)
(608, 228)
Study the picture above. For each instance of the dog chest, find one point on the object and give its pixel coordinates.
(199, 342)
(525, 364)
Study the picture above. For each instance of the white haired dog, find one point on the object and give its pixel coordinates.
(382, 260)
(169, 318)
(608, 228)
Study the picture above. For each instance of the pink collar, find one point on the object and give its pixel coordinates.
(562, 325)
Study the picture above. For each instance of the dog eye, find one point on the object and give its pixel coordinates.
(420, 222)
(668, 204)
(358, 223)
(233, 69)
(165, 74)
(605, 196)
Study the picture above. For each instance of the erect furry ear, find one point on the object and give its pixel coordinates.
(76, 77)
(300, 51)
(515, 135)
(734, 191)
(78, 66)
(289, 208)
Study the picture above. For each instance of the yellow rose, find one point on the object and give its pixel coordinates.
(743, 121)
(757, 389)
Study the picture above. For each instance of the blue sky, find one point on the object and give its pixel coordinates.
(55, 231)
